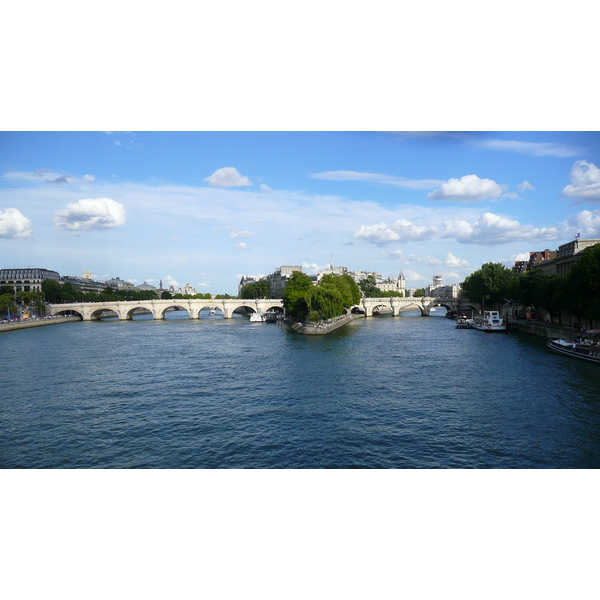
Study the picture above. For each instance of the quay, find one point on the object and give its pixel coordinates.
(324, 327)
(37, 323)
(547, 330)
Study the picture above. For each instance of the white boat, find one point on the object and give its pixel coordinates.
(463, 323)
(589, 352)
(490, 320)
(256, 317)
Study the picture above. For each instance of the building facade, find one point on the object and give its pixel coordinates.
(565, 257)
(26, 279)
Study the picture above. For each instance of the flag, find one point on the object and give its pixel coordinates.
(577, 236)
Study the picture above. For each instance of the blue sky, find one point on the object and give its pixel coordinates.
(207, 207)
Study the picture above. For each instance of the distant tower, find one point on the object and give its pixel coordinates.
(402, 283)
(87, 274)
(437, 280)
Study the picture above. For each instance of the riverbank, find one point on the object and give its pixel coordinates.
(323, 327)
(547, 330)
(40, 323)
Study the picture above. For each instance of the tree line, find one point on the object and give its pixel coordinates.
(577, 292)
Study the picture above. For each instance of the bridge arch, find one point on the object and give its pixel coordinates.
(129, 312)
(98, 312)
(160, 313)
(68, 312)
(211, 310)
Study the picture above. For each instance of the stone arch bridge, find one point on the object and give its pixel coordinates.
(423, 304)
(93, 311)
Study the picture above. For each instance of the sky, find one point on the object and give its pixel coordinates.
(205, 208)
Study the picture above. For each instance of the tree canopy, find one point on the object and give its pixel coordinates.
(256, 290)
(490, 284)
(330, 298)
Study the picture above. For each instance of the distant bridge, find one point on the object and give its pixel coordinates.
(93, 311)
(423, 304)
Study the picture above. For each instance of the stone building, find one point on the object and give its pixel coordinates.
(565, 257)
(26, 279)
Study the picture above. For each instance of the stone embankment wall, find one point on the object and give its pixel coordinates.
(322, 328)
(40, 323)
(546, 330)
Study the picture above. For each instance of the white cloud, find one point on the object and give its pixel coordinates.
(203, 284)
(89, 178)
(532, 148)
(585, 182)
(265, 188)
(92, 213)
(454, 262)
(413, 275)
(168, 281)
(468, 188)
(416, 184)
(241, 246)
(313, 268)
(242, 234)
(227, 177)
(487, 230)
(525, 187)
(393, 254)
(376, 234)
(400, 231)
(14, 224)
(492, 229)
(586, 223)
(449, 261)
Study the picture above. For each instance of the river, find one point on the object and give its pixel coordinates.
(401, 392)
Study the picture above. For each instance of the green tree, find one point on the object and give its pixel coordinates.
(166, 296)
(51, 290)
(420, 293)
(294, 293)
(490, 284)
(7, 305)
(324, 301)
(258, 289)
(526, 286)
(347, 287)
(368, 287)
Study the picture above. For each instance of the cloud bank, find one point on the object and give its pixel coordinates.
(487, 230)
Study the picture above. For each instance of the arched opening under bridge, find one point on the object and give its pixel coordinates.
(69, 313)
(174, 312)
(211, 312)
(104, 314)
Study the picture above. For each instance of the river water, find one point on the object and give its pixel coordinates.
(385, 392)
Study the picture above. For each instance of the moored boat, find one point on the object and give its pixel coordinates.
(463, 323)
(490, 320)
(256, 317)
(588, 352)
